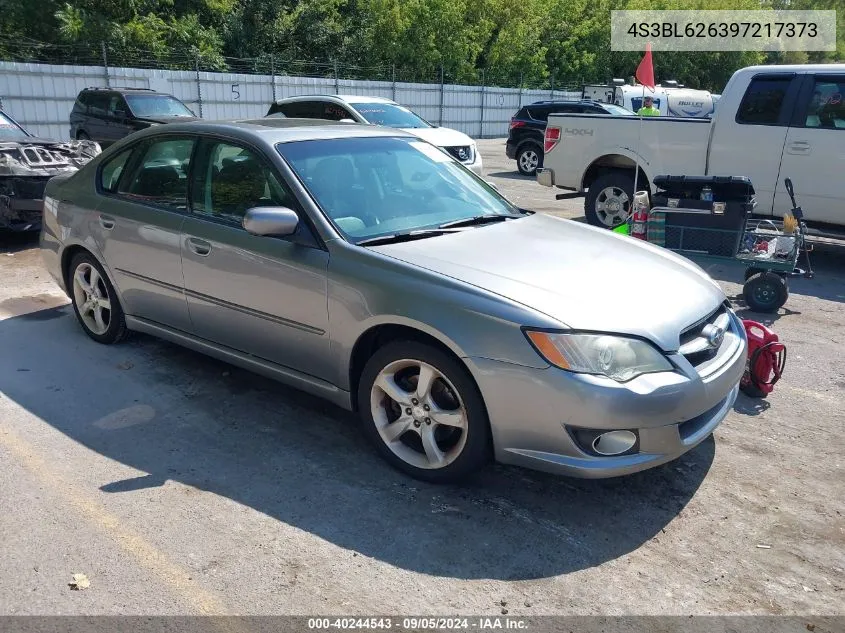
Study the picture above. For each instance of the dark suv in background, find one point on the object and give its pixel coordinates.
(525, 134)
(107, 115)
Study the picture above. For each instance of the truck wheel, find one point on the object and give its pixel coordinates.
(528, 159)
(765, 292)
(608, 200)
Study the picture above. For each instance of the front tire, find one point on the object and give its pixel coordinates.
(95, 301)
(608, 200)
(423, 412)
(529, 159)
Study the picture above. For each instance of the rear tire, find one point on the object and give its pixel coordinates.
(765, 292)
(529, 158)
(423, 412)
(95, 301)
(609, 199)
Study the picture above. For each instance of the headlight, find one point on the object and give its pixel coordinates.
(616, 357)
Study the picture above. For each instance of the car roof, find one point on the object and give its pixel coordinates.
(350, 99)
(280, 130)
(123, 89)
(554, 102)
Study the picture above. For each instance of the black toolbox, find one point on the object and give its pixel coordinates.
(712, 225)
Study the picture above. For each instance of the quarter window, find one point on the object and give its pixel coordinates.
(112, 170)
(229, 180)
(763, 102)
(160, 177)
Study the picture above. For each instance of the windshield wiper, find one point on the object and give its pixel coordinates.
(402, 237)
(480, 219)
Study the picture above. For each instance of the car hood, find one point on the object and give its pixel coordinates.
(441, 136)
(584, 277)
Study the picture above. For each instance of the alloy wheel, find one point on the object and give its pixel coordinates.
(419, 414)
(92, 298)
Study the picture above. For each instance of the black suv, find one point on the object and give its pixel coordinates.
(107, 115)
(525, 134)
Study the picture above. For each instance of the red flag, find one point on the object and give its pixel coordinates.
(645, 71)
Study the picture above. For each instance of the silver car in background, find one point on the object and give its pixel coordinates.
(368, 267)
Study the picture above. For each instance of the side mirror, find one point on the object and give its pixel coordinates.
(278, 221)
(120, 114)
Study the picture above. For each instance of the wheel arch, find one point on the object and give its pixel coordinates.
(613, 162)
(69, 252)
(379, 335)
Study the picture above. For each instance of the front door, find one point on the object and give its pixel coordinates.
(261, 295)
(138, 224)
(815, 151)
(761, 124)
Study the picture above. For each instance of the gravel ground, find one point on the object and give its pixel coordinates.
(181, 485)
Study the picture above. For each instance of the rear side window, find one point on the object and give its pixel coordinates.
(302, 109)
(763, 101)
(98, 103)
(538, 114)
(160, 177)
(111, 172)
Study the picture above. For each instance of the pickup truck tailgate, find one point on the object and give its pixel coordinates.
(661, 145)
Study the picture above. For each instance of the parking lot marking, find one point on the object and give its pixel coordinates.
(131, 542)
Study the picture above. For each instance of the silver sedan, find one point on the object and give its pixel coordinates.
(368, 267)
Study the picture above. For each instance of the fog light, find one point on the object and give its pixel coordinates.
(614, 442)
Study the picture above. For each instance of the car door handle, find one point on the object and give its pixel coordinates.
(200, 247)
(799, 147)
(107, 222)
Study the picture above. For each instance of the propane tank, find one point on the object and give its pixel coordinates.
(639, 217)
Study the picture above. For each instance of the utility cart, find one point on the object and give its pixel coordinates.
(710, 217)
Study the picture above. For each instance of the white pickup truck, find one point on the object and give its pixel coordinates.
(772, 122)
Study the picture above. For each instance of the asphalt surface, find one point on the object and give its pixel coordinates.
(181, 485)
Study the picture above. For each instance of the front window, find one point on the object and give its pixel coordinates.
(371, 187)
(390, 115)
(10, 131)
(157, 105)
(826, 107)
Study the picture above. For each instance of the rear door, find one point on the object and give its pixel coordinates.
(815, 151)
(138, 225)
(752, 144)
(119, 122)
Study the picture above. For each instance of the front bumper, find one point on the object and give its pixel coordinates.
(535, 412)
(19, 214)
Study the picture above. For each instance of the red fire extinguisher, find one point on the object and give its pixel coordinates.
(639, 218)
(766, 360)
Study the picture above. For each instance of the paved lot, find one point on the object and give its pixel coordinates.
(179, 484)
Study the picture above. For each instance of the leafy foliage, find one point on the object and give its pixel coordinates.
(504, 42)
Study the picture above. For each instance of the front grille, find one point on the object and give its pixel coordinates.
(462, 152)
(701, 341)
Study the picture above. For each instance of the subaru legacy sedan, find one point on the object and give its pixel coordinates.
(370, 268)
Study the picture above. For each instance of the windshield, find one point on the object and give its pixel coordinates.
(377, 186)
(9, 130)
(616, 110)
(390, 115)
(157, 105)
